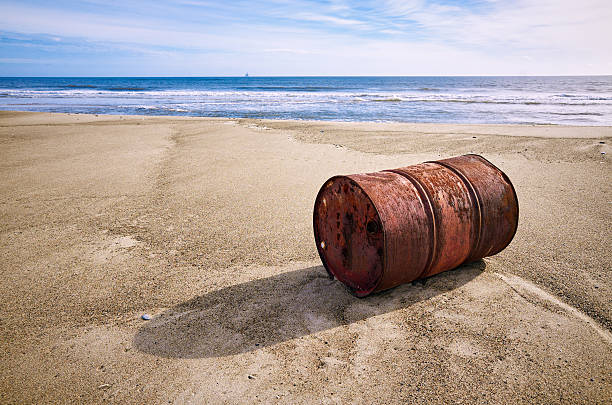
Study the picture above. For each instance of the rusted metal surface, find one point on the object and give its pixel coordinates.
(375, 231)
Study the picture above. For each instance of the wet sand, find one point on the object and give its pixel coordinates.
(206, 225)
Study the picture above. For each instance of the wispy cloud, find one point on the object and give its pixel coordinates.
(320, 18)
(287, 50)
(309, 37)
(21, 60)
(402, 8)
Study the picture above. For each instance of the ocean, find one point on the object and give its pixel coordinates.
(570, 100)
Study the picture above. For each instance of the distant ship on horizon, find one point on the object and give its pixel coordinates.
(246, 74)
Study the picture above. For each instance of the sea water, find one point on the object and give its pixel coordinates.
(571, 100)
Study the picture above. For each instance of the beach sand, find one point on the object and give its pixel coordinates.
(206, 225)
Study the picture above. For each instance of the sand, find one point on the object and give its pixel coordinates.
(206, 225)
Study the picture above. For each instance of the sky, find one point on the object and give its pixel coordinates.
(305, 37)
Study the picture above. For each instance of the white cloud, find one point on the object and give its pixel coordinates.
(544, 24)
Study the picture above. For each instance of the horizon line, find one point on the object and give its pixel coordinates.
(285, 76)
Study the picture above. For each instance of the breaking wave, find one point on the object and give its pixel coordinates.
(585, 101)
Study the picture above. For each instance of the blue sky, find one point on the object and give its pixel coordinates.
(302, 37)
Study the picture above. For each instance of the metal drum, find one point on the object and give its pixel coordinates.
(375, 231)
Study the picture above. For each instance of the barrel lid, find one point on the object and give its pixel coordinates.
(349, 235)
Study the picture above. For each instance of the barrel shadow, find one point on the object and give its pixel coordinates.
(264, 312)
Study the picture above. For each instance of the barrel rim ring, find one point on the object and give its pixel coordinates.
(505, 177)
(429, 212)
(475, 195)
(355, 292)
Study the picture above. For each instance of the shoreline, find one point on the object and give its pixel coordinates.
(537, 130)
(205, 224)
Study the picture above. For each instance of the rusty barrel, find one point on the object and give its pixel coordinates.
(375, 231)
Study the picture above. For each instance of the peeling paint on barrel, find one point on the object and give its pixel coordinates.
(375, 231)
